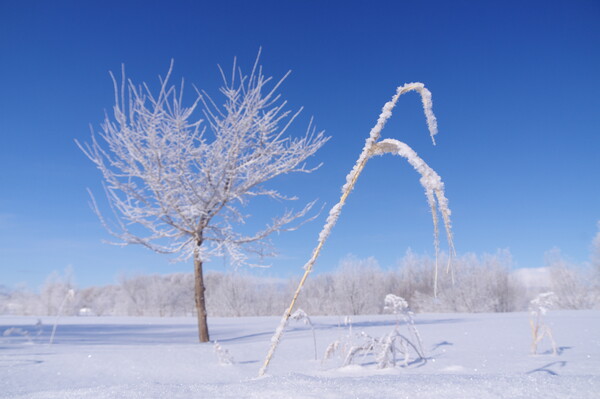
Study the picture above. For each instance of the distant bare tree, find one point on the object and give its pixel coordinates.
(355, 284)
(573, 284)
(177, 185)
(595, 256)
(53, 293)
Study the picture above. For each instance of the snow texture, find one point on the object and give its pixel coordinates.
(468, 356)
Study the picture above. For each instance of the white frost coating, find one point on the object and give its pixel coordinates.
(367, 152)
(434, 191)
(386, 113)
(541, 303)
(395, 304)
(334, 214)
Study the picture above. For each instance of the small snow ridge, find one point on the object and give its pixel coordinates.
(454, 369)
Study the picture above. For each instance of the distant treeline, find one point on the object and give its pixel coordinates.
(484, 283)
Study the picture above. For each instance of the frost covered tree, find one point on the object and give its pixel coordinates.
(355, 282)
(595, 256)
(178, 184)
(573, 284)
(55, 289)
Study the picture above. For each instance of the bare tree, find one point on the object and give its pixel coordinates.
(595, 256)
(178, 184)
(355, 284)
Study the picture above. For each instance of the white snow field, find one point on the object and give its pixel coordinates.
(468, 356)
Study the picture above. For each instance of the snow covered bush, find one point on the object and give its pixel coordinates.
(574, 285)
(399, 307)
(539, 329)
(54, 291)
(387, 349)
(482, 284)
(595, 256)
(355, 286)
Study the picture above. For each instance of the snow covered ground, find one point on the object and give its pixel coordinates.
(468, 356)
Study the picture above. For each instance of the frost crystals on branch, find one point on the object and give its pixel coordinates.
(434, 190)
(178, 184)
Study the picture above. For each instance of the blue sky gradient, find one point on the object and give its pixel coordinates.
(515, 88)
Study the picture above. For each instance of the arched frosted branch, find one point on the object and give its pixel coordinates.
(369, 149)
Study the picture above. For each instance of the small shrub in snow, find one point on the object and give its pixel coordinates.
(387, 349)
(539, 329)
(223, 355)
(399, 307)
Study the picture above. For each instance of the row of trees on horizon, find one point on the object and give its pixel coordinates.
(484, 283)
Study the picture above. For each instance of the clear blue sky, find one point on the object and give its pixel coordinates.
(516, 89)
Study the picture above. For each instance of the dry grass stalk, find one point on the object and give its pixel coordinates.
(431, 182)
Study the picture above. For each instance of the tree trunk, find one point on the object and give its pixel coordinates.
(199, 294)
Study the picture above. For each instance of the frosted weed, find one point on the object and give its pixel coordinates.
(385, 350)
(430, 180)
(539, 329)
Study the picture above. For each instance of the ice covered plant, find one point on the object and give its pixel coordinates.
(432, 183)
(539, 329)
(223, 355)
(385, 349)
(331, 349)
(300, 315)
(399, 307)
(178, 177)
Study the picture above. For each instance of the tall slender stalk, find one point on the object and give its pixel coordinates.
(70, 295)
(371, 147)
